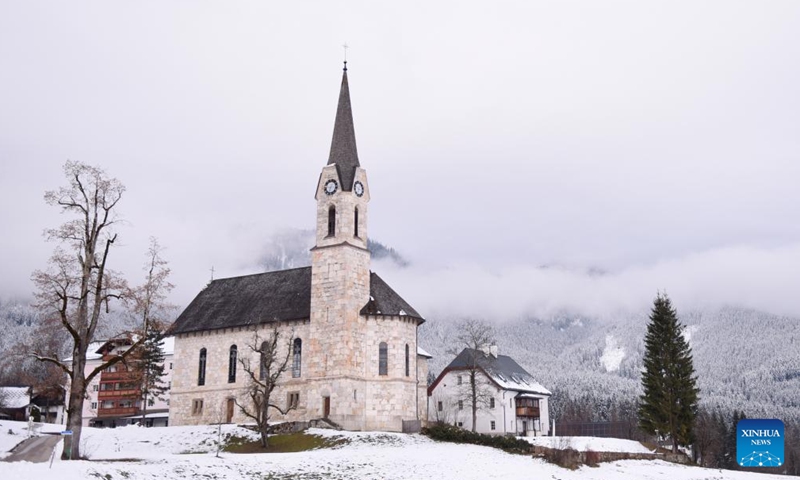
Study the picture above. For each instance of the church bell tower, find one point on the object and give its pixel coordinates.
(340, 275)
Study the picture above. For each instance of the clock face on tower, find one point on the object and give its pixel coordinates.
(359, 188)
(330, 187)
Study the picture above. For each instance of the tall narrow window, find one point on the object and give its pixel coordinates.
(383, 359)
(332, 221)
(232, 364)
(262, 361)
(408, 371)
(355, 222)
(297, 357)
(201, 368)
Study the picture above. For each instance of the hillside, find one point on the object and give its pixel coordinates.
(744, 359)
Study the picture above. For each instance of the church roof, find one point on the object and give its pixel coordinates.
(343, 146)
(385, 301)
(271, 297)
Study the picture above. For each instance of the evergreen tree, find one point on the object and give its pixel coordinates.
(669, 403)
(148, 368)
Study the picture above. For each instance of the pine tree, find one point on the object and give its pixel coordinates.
(669, 403)
(148, 368)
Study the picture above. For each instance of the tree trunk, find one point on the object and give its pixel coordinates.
(75, 406)
(144, 409)
(474, 402)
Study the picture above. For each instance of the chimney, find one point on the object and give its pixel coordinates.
(493, 350)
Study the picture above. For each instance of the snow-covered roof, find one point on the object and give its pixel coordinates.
(15, 397)
(94, 347)
(502, 369)
(422, 352)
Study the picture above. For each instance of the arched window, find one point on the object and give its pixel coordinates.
(201, 368)
(408, 371)
(232, 364)
(297, 357)
(332, 221)
(383, 359)
(355, 222)
(262, 361)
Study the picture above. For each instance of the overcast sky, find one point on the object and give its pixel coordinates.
(655, 141)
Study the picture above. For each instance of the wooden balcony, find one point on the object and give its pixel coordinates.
(109, 394)
(528, 412)
(117, 412)
(110, 376)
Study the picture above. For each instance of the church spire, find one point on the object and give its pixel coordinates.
(343, 146)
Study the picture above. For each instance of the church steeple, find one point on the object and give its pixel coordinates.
(343, 146)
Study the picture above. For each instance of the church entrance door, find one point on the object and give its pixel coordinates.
(229, 412)
(326, 407)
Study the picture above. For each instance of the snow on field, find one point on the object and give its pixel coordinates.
(595, 444)
(133, 453)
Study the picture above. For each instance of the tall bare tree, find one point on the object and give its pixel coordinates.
(78, 286)
(262, 378)
(148, 302)
(474, 339)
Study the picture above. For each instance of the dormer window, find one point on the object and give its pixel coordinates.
(332, 221)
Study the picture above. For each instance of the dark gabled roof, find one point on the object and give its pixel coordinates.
(343, 145)
(273, 296)
(249, 300)
(385, 301)
(502, 370)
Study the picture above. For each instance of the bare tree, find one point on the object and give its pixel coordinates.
(77, 286)
(263, 377)
(474, 339)
(149, 304)
(442, 408)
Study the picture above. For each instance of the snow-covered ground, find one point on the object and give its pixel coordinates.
(595, 444)
(132, 453)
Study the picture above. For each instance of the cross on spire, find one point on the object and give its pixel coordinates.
(345, 46)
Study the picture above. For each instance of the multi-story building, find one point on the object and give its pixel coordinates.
(114, 400)
(509, 399)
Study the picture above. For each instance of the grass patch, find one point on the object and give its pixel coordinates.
(286, 443)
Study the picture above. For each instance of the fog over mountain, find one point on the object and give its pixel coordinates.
(580, 331)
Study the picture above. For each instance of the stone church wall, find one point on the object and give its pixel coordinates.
(366, 402)
(216, 391)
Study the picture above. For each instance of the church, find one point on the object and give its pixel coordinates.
(354, 357)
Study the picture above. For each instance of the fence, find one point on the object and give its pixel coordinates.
(598, 429)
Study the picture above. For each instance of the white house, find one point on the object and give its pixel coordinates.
(510, 400)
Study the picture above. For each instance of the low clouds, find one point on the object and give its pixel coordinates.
(763, 279)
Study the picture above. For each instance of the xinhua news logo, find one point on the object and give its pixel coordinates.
(759, 443)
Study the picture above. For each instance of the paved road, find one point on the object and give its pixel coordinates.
(34, 449)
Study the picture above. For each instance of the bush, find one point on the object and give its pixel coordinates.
(566, 458)
(450, 433)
